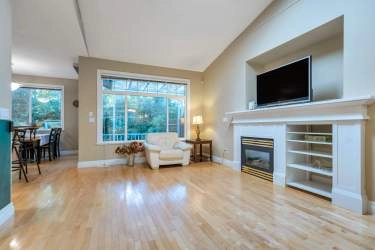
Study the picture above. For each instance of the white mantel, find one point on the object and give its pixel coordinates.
(331, 110)
(347, 117)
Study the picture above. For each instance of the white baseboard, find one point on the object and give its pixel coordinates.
(371, 207)
(6, 213)
(69, 152)
(226, 162)
(108, 162)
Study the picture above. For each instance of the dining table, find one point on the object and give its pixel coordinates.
(41, 138)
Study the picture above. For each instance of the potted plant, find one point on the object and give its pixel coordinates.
(130, 149)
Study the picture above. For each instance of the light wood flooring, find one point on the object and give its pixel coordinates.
(203, 206)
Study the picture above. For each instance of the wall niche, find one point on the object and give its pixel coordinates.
(324, 44)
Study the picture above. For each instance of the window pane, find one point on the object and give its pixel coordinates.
(35, 106)
(162, 88)
(146, 114)
(172, 89)
(113, 118)
(46, 108)
(181, 90)
(143, 86)
(152, 87)
(21, 107)
(107, 84)
(150, 106)
(114, 84)
(176, 117)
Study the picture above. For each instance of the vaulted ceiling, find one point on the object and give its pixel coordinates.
(48, 36)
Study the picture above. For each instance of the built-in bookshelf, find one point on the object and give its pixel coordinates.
(309, 158)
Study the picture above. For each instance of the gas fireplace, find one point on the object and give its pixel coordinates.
(257, 157)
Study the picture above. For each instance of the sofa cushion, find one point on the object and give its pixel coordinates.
(171, 154)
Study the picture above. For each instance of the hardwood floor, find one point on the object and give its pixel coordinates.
(203, 206)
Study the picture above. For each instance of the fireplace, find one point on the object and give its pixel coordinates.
(257, 157)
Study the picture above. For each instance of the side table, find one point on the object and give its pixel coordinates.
(200, 143)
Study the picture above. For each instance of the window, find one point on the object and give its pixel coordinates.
(130, 106)
(37, 106)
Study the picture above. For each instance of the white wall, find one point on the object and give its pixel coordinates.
(225, 79)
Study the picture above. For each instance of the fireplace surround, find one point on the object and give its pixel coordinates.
(346, 118)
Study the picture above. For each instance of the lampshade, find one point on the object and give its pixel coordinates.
(197, 119)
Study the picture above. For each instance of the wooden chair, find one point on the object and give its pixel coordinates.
(57, 144)
(18, 145)
(50, 146)
(32, 146)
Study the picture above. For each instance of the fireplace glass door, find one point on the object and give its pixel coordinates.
(257, 155)
(257, 158)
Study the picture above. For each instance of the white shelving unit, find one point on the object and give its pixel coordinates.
(309, 158)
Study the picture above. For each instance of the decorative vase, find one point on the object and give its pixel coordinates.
(131, 160)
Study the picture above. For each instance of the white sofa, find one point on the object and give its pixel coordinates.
(166, 149)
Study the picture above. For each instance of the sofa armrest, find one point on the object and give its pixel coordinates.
(152, 147)
(183, 146)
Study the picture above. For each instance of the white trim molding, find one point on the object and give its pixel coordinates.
(225, 162)
(109, 162)
(6, 213)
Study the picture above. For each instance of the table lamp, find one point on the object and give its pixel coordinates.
(196, 121)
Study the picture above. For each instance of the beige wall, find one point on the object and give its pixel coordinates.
(88, 148)
(69, 137)
(225, 79)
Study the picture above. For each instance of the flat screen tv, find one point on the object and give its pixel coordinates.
(287, 84)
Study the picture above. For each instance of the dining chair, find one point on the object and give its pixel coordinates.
(57, 144)
(32, 146)
(18, 147)
(50, 146)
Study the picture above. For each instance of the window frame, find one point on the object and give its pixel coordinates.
(45, 86)
(135, 76)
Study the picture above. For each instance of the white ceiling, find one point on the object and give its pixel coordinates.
(172, 33)
(46, 38)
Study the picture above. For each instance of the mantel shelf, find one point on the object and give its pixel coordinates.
(320, 111)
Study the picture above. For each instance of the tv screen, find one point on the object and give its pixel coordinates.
(287, 84)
